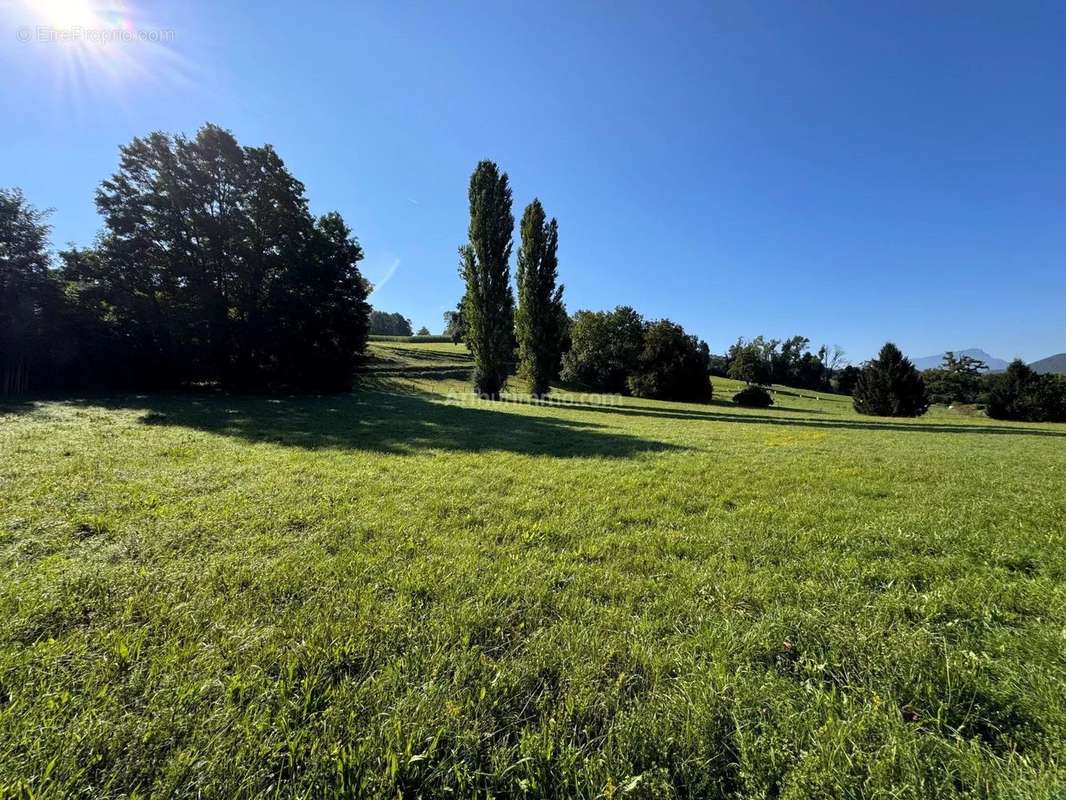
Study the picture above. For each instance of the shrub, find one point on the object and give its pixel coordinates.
(672, 365)
(891, 386)
(753, 397)
(1024, 395)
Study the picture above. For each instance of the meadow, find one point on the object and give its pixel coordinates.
(401, 592)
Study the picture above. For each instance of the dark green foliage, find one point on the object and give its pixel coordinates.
(1022, 394)
(959, 380)
(718, 365)
(488, 305)
(764, 361)
(540, 313)
(455, 325)
(891, 386)
(845, 380)
(29, 296)
(753, 397)
(672, 365)
(211, 268)
(424, 331)
(382, 323)
(604, 350)
(748, 362)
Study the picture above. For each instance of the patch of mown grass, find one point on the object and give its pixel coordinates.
(402, 592)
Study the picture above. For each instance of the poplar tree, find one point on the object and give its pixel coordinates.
(488, 306)
(540, 300)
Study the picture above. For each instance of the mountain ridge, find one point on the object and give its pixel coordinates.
(933, 362)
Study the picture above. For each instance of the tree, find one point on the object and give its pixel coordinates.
(488, 307)
(958, 380)
(748, 362)
(1022, 394)
(211, 268)
(672, 365)
(424, 331)
(383, 323)
(454, 325)
(540, 313)
(890, 386)
(30, 299)
(604, 350)
(846, 379)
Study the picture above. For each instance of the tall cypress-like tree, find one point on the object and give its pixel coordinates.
(891, 386)
(488, 306)
(540, 300)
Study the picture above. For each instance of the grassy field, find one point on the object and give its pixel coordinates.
(402, 593)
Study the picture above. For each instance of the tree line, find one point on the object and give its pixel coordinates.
(210, 268)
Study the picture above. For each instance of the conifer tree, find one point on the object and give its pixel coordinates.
(891, 386)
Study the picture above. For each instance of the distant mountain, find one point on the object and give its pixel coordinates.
(932, 362)
(1051, 364)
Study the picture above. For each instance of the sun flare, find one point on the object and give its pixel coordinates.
(67, 13)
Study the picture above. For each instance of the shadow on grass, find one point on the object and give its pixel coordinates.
(825, 423)
(385, 422)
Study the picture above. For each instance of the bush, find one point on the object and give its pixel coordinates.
(753, 397)
(672, 366)
(891, 386)
(1026, 396)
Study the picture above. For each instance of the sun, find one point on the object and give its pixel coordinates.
(67, 13)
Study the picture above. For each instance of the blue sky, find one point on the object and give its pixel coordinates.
(851, 172)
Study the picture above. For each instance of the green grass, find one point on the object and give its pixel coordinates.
(397, 593)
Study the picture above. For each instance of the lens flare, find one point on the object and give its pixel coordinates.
(67, 13)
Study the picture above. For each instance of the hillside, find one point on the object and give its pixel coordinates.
(402, 592)
(1051, 364)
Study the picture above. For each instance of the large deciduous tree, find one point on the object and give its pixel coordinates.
(672, 365)
(212, 268)
(540, 313)
(488, 305)
(890, 386)
(605, 348)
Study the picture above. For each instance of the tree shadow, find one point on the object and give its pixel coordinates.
(385, 422)
(825, 423)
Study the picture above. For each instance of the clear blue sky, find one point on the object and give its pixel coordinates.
(853, 172)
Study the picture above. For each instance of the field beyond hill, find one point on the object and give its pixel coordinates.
(406, 592)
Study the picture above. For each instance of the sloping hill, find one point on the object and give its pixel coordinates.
(1051, 365)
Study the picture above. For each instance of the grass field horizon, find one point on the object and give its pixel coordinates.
(406, 591)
